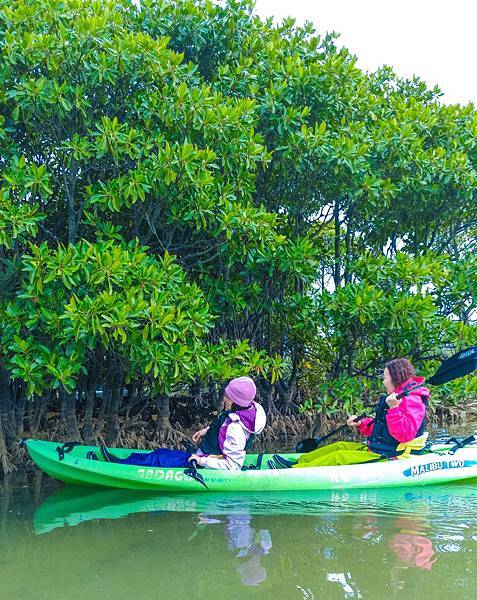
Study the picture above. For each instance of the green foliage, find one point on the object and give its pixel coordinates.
(391, 308)
(119, 301)
(189, 193)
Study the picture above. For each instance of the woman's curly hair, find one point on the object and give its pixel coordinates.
(400, 370)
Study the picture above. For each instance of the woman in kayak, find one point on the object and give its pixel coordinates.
(397, 429)
(221, 445)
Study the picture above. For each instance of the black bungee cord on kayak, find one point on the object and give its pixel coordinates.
(68, 447)
(462, 443)
(65, 448)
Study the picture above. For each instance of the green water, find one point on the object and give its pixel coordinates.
(82, 544)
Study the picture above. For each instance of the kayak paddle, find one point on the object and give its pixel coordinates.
(192, 472)
(459, 364)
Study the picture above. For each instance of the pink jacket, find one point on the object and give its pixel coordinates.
(403, 421)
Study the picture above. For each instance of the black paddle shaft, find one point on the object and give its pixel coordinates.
(319, 440)
(364, 415)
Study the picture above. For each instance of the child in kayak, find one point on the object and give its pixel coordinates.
(397, 429)
(221, 445)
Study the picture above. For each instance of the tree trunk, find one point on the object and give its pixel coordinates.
(5, 461)
(6, 407)
(36, 411)
(286, 392)
(69, 178)
(162, 403)
(266, 394)
(348, 245)
(217, 397)
(20, 411)
(72, 431)
(90, 395)
(337, 257)
(98, 428)
(112, 421)
(61, 432)
(319, 426)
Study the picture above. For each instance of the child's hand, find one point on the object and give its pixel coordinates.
(352, 422)
(198, 435)
(198, 459)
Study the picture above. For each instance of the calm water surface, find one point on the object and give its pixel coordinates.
(71, 543)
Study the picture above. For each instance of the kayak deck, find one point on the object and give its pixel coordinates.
(74, 467)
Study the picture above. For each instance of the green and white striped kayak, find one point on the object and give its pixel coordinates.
(437, 466)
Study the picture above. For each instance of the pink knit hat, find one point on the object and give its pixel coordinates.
(241, 391)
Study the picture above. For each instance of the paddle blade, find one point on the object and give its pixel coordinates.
(458, 365)
(192, 472)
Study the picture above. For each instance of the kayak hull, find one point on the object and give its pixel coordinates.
(435, 467)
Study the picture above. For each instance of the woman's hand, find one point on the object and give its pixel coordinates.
(198, 435)
(392, 400)
(352, 422)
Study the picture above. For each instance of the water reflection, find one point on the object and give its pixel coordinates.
(72, 505)
(334, 545)
(245, 543)
(411, 545)
(400, 520)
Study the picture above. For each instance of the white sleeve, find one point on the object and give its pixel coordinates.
(233, 450)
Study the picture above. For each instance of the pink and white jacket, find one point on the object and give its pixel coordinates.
(233, 436)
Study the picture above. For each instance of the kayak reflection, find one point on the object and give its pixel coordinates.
(72, 505)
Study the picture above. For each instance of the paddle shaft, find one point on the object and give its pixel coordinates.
(335, 431)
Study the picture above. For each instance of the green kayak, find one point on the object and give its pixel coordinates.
(72, 465)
